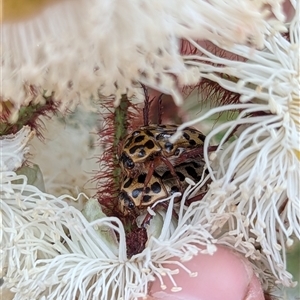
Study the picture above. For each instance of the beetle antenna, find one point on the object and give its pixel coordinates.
(146, 108)
(160, 109)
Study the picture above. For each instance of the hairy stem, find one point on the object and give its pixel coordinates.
(120, 130)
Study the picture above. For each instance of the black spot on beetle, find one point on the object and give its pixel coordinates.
(134, 148)
(129, 142)
(130, 205)
(142, 153)
(180, 176)
(169, 146)
(135, 193)
(127, 162)
(147, 190)
(186, 136)
(192, 142)
(195, 164)
(149, 133)
(127, 201)
(174, 189)
(149, 144)
(147, 198)
(167, 175)
(128, 183)
(141, 178)
(191, 172)
(178, 151)
(155, 187)
(201, 137)
(139, 138)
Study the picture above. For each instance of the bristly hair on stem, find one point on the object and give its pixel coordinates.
(27, 116)
(152, 111)
(120, 131)
(115, 126)
(117, 123)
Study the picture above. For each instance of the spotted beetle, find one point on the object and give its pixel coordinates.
(134, 196)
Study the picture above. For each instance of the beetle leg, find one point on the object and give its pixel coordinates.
(146, 220)
(195, 198)
(159, 121)
(172, 170)
(149, 176)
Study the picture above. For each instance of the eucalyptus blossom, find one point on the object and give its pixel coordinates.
(80, 48)
(256, 178)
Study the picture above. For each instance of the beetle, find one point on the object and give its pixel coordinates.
(134, 197)
(148, 148)
(150, 141)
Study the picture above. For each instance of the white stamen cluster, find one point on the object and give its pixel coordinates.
(51, 249)
(80, 48)
(13, 149)
(256, 177)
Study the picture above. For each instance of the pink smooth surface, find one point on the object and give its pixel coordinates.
(225, 275)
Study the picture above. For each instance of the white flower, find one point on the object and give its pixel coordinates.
(78, 48)
(256, 178)
(13, 149)
(51, 250)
